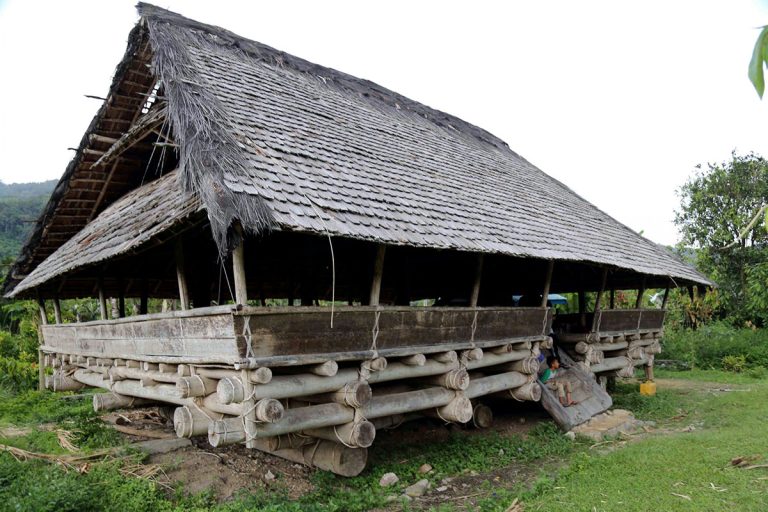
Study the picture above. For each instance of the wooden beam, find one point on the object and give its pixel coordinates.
(547, 283)
(476, 285)
(181, 275)
(140, 129)
(57, 310)
(238, 269)
(600, 292)
(666, 296)
(103, 192)
(640, 293)
(378, 272)
(582, 308)
(144, 300)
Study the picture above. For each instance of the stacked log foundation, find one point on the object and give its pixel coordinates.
(324, 413)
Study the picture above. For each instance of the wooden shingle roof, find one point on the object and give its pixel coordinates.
(279, 143)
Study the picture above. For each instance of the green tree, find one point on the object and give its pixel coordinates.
(717, 203)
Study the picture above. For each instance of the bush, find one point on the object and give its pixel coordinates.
(17, 375)
(718, 345)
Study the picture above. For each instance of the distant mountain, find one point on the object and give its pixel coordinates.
(20, 205)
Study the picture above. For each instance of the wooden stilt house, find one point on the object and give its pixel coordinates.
(341, 258)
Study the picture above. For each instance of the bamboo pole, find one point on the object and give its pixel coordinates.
(378, 272)
(238, 267)
(476, 283)
(547, 283)
(181, 274)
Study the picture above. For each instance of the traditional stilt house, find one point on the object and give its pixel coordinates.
(342, 258)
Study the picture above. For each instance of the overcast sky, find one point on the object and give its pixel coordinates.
(618, 100)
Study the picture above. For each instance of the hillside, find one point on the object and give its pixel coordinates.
(20, 204)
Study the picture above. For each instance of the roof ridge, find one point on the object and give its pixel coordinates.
(360, 86)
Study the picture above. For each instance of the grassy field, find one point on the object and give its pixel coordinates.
(704, 420)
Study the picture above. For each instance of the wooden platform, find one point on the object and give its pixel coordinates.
(295, 335)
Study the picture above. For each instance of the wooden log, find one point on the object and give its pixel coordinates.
(595, 357)
(481, 386)
(257, 375)
(230, 390)
(414, 360)
(195, 385)
(529, 365)
(458, 410)
(446, 357)
(190, 421)
(456, 379)
(496, 359)
(117, 373)
(610, 347)
(482, 416)
(268, 410)
(474, 354)
(611, 363)
(326, 369)
(43, 313)
(160, 392)
(325, 455)
(355, 434)
(102, 300)
(530, 391)
(62, 381)
(112, 401)
(354, 394)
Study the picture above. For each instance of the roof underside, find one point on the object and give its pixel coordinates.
(277, 142)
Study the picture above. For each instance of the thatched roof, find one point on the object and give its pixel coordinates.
(279, 143)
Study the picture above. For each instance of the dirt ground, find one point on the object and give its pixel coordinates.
(234, 469)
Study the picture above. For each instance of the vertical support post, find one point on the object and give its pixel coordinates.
(238, 269)
(378, 273)
(102, 300)
(690, 294)
(613, 298)
(476, 284)
(582, 308)
(57, 310)
(40, 369)
(666, 296)
(600, 292)
(547, 283)
(144, 300)
(41, 307)
(648, 372)
(121, 304)
(640, 293)
(181, 275)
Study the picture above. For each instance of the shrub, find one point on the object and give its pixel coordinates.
(17, 375)
(718, 345)
(734, 363)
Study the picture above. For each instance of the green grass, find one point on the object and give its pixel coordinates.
(643, 475)
(640, 475)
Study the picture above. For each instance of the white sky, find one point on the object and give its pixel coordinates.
(618, 100)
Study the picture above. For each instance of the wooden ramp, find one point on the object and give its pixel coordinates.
(592, 398)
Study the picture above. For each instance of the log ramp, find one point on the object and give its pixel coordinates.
(324, 414)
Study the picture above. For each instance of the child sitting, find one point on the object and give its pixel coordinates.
(554, 379)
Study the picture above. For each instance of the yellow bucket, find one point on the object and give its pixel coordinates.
(648, 388)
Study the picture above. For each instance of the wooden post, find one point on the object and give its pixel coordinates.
(547, 283)
(144, 300)
(41, 307)
(603, 282)
(476, 285)
(666, 296)
(582, 308)
(181, 275)
(238, 269)
(102, 300)
(640, 293)
(690, 294)
(613, 298)
(378, 272)
(121, 304)
(57, 310)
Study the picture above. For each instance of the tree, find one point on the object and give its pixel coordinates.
(717, 203)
